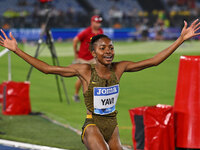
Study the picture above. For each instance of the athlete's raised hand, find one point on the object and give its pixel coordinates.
(191, 31)
(9, 43)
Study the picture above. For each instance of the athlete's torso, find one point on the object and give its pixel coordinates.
(102, 94)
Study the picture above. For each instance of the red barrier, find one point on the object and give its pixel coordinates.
(157, 123)
(16, 99)
(187, 103)
(159, 128)
(136, 115)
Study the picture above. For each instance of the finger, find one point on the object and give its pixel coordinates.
(193, 24)
(1, 38)
(1, 44)
(196, 34)
(11, 36)
(198, 24)
(4, 34)
(197, 29)
(185, 25)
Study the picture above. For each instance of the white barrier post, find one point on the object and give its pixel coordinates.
(9, 67)
(3, 52)
(9, 62)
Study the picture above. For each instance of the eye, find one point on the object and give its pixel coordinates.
(111, 48)
(102, 48)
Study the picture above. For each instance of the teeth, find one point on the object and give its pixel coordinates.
(108, 56)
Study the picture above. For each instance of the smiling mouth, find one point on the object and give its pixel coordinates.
(109, 58)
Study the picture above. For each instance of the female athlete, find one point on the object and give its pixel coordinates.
(101, 83)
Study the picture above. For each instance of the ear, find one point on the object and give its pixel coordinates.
(94, 54)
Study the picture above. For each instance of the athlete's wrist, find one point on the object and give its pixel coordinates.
(17, 49)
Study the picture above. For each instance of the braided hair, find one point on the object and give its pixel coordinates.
(95, 39)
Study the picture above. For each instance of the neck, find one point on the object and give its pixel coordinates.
(104, 68)
(94, 30)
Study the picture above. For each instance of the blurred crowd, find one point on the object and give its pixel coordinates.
(38, 16)
(172, 16)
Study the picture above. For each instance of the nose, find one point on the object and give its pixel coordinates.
(108, 51)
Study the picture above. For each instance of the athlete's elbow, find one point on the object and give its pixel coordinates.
(46, 70)
(155, 62)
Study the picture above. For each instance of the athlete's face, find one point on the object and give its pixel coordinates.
(104, 51)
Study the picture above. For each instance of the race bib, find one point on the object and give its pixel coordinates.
(105, 99)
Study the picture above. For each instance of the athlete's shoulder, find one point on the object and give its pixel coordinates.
(114, 65)
(119, 65)
(85, 67)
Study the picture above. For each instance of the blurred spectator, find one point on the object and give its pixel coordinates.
(71, 16)
(115, 15)
(117, 25)
(22, 3)
(9, 13)
(31, 14)
(159, 29)
(6, 26)
(131, 18)
(142, 32)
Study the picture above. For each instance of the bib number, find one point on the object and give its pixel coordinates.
(105, 99)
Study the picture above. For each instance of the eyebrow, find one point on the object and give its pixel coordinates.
(105, 45)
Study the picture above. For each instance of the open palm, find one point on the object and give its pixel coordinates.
(191, 31)
(8, 43)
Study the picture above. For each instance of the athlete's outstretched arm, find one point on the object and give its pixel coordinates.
(11, 44)
(186, 33)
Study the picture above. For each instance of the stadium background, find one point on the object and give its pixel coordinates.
(125, 22)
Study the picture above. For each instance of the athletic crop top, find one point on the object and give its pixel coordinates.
(102, 94)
